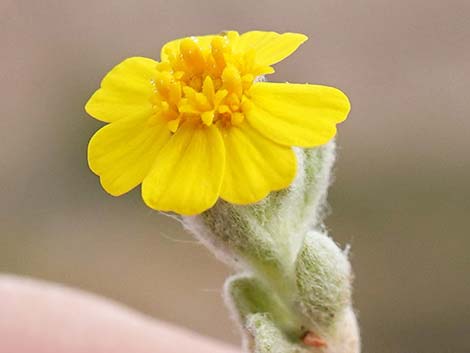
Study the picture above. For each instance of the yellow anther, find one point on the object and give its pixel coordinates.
(223, 109)
(179, 75)
(189, 92)
(208, 89)
(218, 48)
(163, 80)
(186, 107)
(174, 94)
(219, 96)
(202, 102)
(192, 55)
(170, 115)
(207, 117)
(232, 99)
(170, 54)
(217, 45)
(173, 124)
(237, 118)
(232, 37)
(232, 80)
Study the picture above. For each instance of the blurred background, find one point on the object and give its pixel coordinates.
(400, 197)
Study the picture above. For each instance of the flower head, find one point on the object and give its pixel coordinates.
(197, 125)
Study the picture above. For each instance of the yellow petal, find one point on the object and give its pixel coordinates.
(255, 165)
(270, 47)
(297, 114)
(187, 173)
(126, 91)
(122, 153)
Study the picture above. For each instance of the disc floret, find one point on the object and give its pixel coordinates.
(203, 83)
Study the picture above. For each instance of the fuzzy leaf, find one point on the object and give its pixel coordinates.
(323, 280)
(267, 338)
(249, 295)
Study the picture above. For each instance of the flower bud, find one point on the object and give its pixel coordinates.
(323, 281)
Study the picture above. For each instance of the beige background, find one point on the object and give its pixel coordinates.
(401, 196)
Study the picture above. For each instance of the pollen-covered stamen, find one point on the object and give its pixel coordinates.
(204, 81)
(208, 89)
(232, 81)
(219, 51)
(192, 55)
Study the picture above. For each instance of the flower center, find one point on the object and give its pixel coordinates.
(204, 81)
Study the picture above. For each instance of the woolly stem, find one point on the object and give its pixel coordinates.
(294, 290)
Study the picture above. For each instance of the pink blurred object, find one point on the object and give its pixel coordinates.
(41, 317)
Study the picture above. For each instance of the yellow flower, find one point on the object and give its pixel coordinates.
(198, 125)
